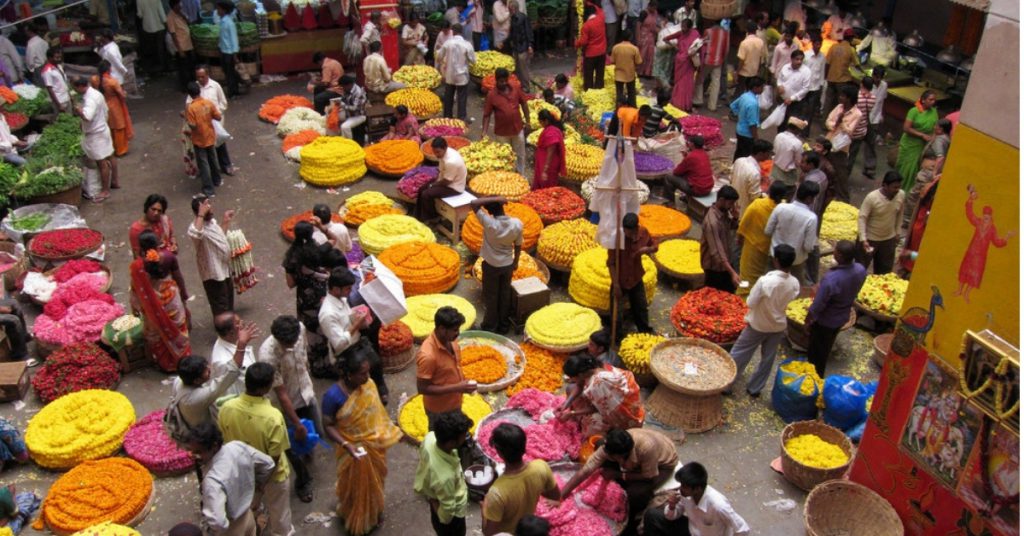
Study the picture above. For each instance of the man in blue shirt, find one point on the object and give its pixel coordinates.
(228, 45)
(831, 306)
(749, 117)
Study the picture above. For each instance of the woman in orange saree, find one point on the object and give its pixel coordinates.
(358, 424)
(602, 397)
(157, 296)
(118, 119)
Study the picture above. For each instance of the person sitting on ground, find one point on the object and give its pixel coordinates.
(439, 473)
(404, 125)
(325, 86)
(515, 493)
(562, 96)
(600, 396)
(353, 100)
(12, 446)
(10, 144)
(693, 175)
(695, 509)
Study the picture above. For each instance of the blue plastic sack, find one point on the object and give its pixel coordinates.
(788, 401)
(485, 43)
(312, 438)
(845, 400)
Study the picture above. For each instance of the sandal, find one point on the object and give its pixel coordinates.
(305, 493)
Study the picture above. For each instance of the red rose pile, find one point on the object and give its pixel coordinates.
(148, 443)
(555, 204)
(65, 243)
(710, 314)
(74, 267)
(708, 127)
(75, 368)
(395, 338)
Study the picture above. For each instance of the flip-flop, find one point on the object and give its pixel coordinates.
(305, 493)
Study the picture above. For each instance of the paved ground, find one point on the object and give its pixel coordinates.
(266, 191)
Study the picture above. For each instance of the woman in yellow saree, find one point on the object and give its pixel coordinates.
(356, 421)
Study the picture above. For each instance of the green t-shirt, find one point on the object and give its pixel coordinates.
(514, 496)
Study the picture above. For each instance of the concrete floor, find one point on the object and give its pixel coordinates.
(265, 191)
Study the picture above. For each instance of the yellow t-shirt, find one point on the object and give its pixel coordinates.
(514, 496)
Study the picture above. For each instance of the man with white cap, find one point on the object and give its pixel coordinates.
(787, 151)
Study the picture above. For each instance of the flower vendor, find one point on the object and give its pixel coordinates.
(12, 446)
(342, 326)
(693, 175)
(796, 224)
(376, 72)
(717, 240)
(439, 376)
(405, 126)
(200, 114)
(160, 297)
(451, 180)
(250, 418)
(233, 337)
(881, 216)
(830, 309)
(439, 474)
(213, 255)
(12, 321)
(696, 509)
(353, 99)
(9, 145)
(97, 143)
(510, 126)
(232, 473)
(325, 86)
(600, 396)
(502, 244)
(16, 509)
(639, 459)
(549, 159)
(515, 493)
(766, 319)
(155, 219)
(359, 425)
(755, 254)
(627, 268)
(305, 272)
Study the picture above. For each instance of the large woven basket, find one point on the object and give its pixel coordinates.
(717, 9)
(397, 363)
(663, 367)
(799, 339)
(847, 508)
(689, 413)
(806, 477)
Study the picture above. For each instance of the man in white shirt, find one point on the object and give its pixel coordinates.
(212, 91)
(746, 175)
(371, 31)
(454, 60)
(796, 225)
(340, 324)
(9, 145)
(109, 51)
(97, 143)
(55, 81)
(882, 43)
(794, 83)
(788, 149)
(151, 43)
(213, 255)
(783, 51)
(377, 73)
(696, 509)
(815, 62)
(330, 231)
(10, 56)
(197, 387)
(451, 180)
(35, 51)
(232, 345)
(502, 243)
(875, 120)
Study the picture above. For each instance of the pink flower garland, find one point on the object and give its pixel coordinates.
(534, 401)
(147, 443)
(82, 322)
(80, 287)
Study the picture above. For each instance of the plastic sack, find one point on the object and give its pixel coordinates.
(669, 144)
(788, 401)
(774, 119)
(485, 43)
(222, 133)
(845, 400)
(767, 98)
(312, 438)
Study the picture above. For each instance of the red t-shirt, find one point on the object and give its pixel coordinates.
(592, 37)
(696, 169)
(508, 119)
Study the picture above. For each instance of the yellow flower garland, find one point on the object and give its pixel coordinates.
(421, 309)
(680, 256)
(506, 183)
(839, 222)
(635, 351)
(108, 529)
(535, 106)
(85, 425)
(582, 162)
(559, 243)
(489, 61)
(883, 293)
(332, 161)
(486, 155)
(413, 417)
(797, 310)
(562, 325)
(379, 233)
(421, 102)
(813, 451)
(418, 76)
(571, 136)
(590, 280)
(368, 198)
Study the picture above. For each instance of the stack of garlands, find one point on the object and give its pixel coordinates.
(473, 232)
(385, 231)
(797, 310)
(590, 186)
(635, 351)
(509, 184)
(489, 83)
(883, 293)
(839, 222)
(63, 243)
(663, 222)
(543, 370)
(296, 141)
(487, 155)
(415, 180)
(243, 271)
(583, 162)
(394, 339)
(483, 364)
(527, 267)
(559, 243)
(75, 313)
(85, 425)
(421, 102)
(299, 119)
(813, 451)
(104, 529)
(590, 282)
(147, 442)
(709, 314)
(555, 204)
(570, 135)
(412, 418)
(418, 76)
(113, 489)
(680, 256)
(489, 61)
(272, 110)
(75, 368)
(393, 157)
(332, 161)
(535, 106)
(562, 326)
(420, 317)
(368, 205)
(442, 126)
(424, 268)
(288, 224)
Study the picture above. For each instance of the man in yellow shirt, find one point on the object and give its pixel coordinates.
(755, 257)
(515, 493)
(626, 56)
(752, 54)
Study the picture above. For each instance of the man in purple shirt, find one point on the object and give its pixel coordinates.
(831, 306)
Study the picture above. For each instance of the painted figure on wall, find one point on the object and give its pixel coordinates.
(972, 268)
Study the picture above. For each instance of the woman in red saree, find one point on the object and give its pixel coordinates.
(118, 119)
(685, 70)
(154, 219)
(972, 268)
(549, 160)
(406, 126)
(647, 37)
(156, 294)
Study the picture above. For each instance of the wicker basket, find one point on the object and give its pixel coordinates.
(799, 339)
(806, 477)
(848, 508)
(663, 368)
(717, 9)
(883, 343)
(693, 414)
(881, 317)
(398, 362)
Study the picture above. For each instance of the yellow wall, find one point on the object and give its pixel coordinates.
(992, 167)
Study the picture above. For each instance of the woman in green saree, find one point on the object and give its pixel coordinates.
(918, 130)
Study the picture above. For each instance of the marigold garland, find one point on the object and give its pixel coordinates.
(883, 293)
(385, 231)
(113, 489)
(298, 139)
(473, 232)
(509, 184)
(555, 204)
(363, 213)
(483, 364)
(489, 82)
(582, 162)
(797, 310)
(413, 417)
(418, 76)
(420, 317)
(85, 425)
(9, 96)
(421, 102)
(424, 268)
(813, 451)
(590, 281)
(489, 61)
(394, 339)
(710, 314)
(393, 157)
(106, 529)
(635, 351)
(543, 370)
(288, 224)
(332, 161)
(275, 107)
(562, 325)
(527, 267)
(535, 106)
(559, 243)
(487, 155)
(663, 221)
(839, 222)
(680, 256)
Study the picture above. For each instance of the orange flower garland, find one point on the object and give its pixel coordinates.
(298, 139)
(473, 232)
(393, 157)
(288, 224)
(8, 94)
(663, 221)
(483, 364)
(272, 110)
(423, 268)
(362, 212)
(506, 183)
(543, 370)
(112, 489)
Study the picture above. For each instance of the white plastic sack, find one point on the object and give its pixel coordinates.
(668, 144)
(767, 98)
(384, 294)
(774, 119)
(840, 141)
(91, 183)
(222, 133)
(617, 177)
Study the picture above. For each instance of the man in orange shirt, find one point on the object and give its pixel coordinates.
(326, 88)
(439, 376)
(594, 44)
(200, 115)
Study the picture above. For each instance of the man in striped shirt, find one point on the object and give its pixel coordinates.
(716, 46)
(865, 103)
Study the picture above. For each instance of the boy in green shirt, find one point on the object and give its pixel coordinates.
(439, 474)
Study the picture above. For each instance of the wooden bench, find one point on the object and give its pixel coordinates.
(698, 206)
(453, 211)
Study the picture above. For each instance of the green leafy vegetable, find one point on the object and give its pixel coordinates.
(48, 181)
(32, 222)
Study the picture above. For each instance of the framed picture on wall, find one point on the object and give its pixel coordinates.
(942, 426)
(990, 483)
(990, 375)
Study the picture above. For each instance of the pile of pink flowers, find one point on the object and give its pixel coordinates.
(708, 127)
(534, 401)
(551, 440)
(80, 287)
(605, 496)
(83, 321)
(147, 443)
(415, 179)
(568, 518)
(74, 267)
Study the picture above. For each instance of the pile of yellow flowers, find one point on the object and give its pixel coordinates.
(681, 256)
(393, 157)
(535, 106)
(590, 282)
(562, 326)
(420, 317)
(673, 112)
(527, 267)
(576, 80)
(560, 242)
(489, 61)
(486, 155)
(371, 197)
(571, 135)
(424, 268)
(543, 370)
(883, 293)
(84, 425)
(507, 183)
(332, 161)
(839, 222)
(813, 451)
(418, 76)
(797, 310)
(421, 102)
(583, 162)
(473, 231)
(413, 417)
(108, 529)
(382, 232)
(663, 221)
(599, 101)
(804, 373)
(361, 214)
(635, 351)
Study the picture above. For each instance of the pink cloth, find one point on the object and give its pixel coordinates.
(646, 37)
(682, 92)
(552, 136)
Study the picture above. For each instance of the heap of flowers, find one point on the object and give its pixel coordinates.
(546, 439)
(813, 451)
(106, 529)
(571, 136)
(421, 309)
(369, 197)
(332, 161)
(535, 402)
(80, 287)
(85, 425)
(680, 256)
(635, 351)
(72, 268)
(418, 76)
(590, 186)
(288, 224)
(243, 270)
(487, 155)
(275, 107)
(415, 180)
(839, 222)
(700, 125)
(363, 213)
(673, 112)
(113, 489)
(147, 442)
(63, 243)
(509, 184)
(559, 243)
(651, 164)
(298, 119)
(489, 82)
(8, 95)
(555, 204)
(77, 315)
(562, 326)
(583, 162)
(473, 232)
(592, 504)
(421, 102)
(483, 364)
(423, 267)
(393, 157)
(663, 222)
(298, 139)
(590, 281)
(443, 126)
(543, 370)
(883, 293)
(394, 339)
(797, 310)
(454, 142)
(385, 231)
(412, 418)
(709, 314)
(805, 373)
(75, 368)
(16, 121)
(535, 106)
(527, 267)
(489, 61)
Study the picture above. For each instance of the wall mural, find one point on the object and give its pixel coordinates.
(972, 268)
(991, 479)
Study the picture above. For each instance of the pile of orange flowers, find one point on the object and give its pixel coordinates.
(394, 339)
(423, 268)
(8, 94)
(288, 224)
(298, 139)
(111, 489)
(527, 267)
(366, 211)
(483, 364)
(393, 157)
(488, 83)
(509, 184)
(543, 370)
(272, 110)
(663, 221)
(473, 232)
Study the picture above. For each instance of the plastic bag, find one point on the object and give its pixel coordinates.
(767, 98)
(774, 119)
(845, 400)
(788, 401)
(841, 141)
(222, 134)
(485, 43)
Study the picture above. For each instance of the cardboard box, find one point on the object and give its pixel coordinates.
(528, 295)
(13, 381)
